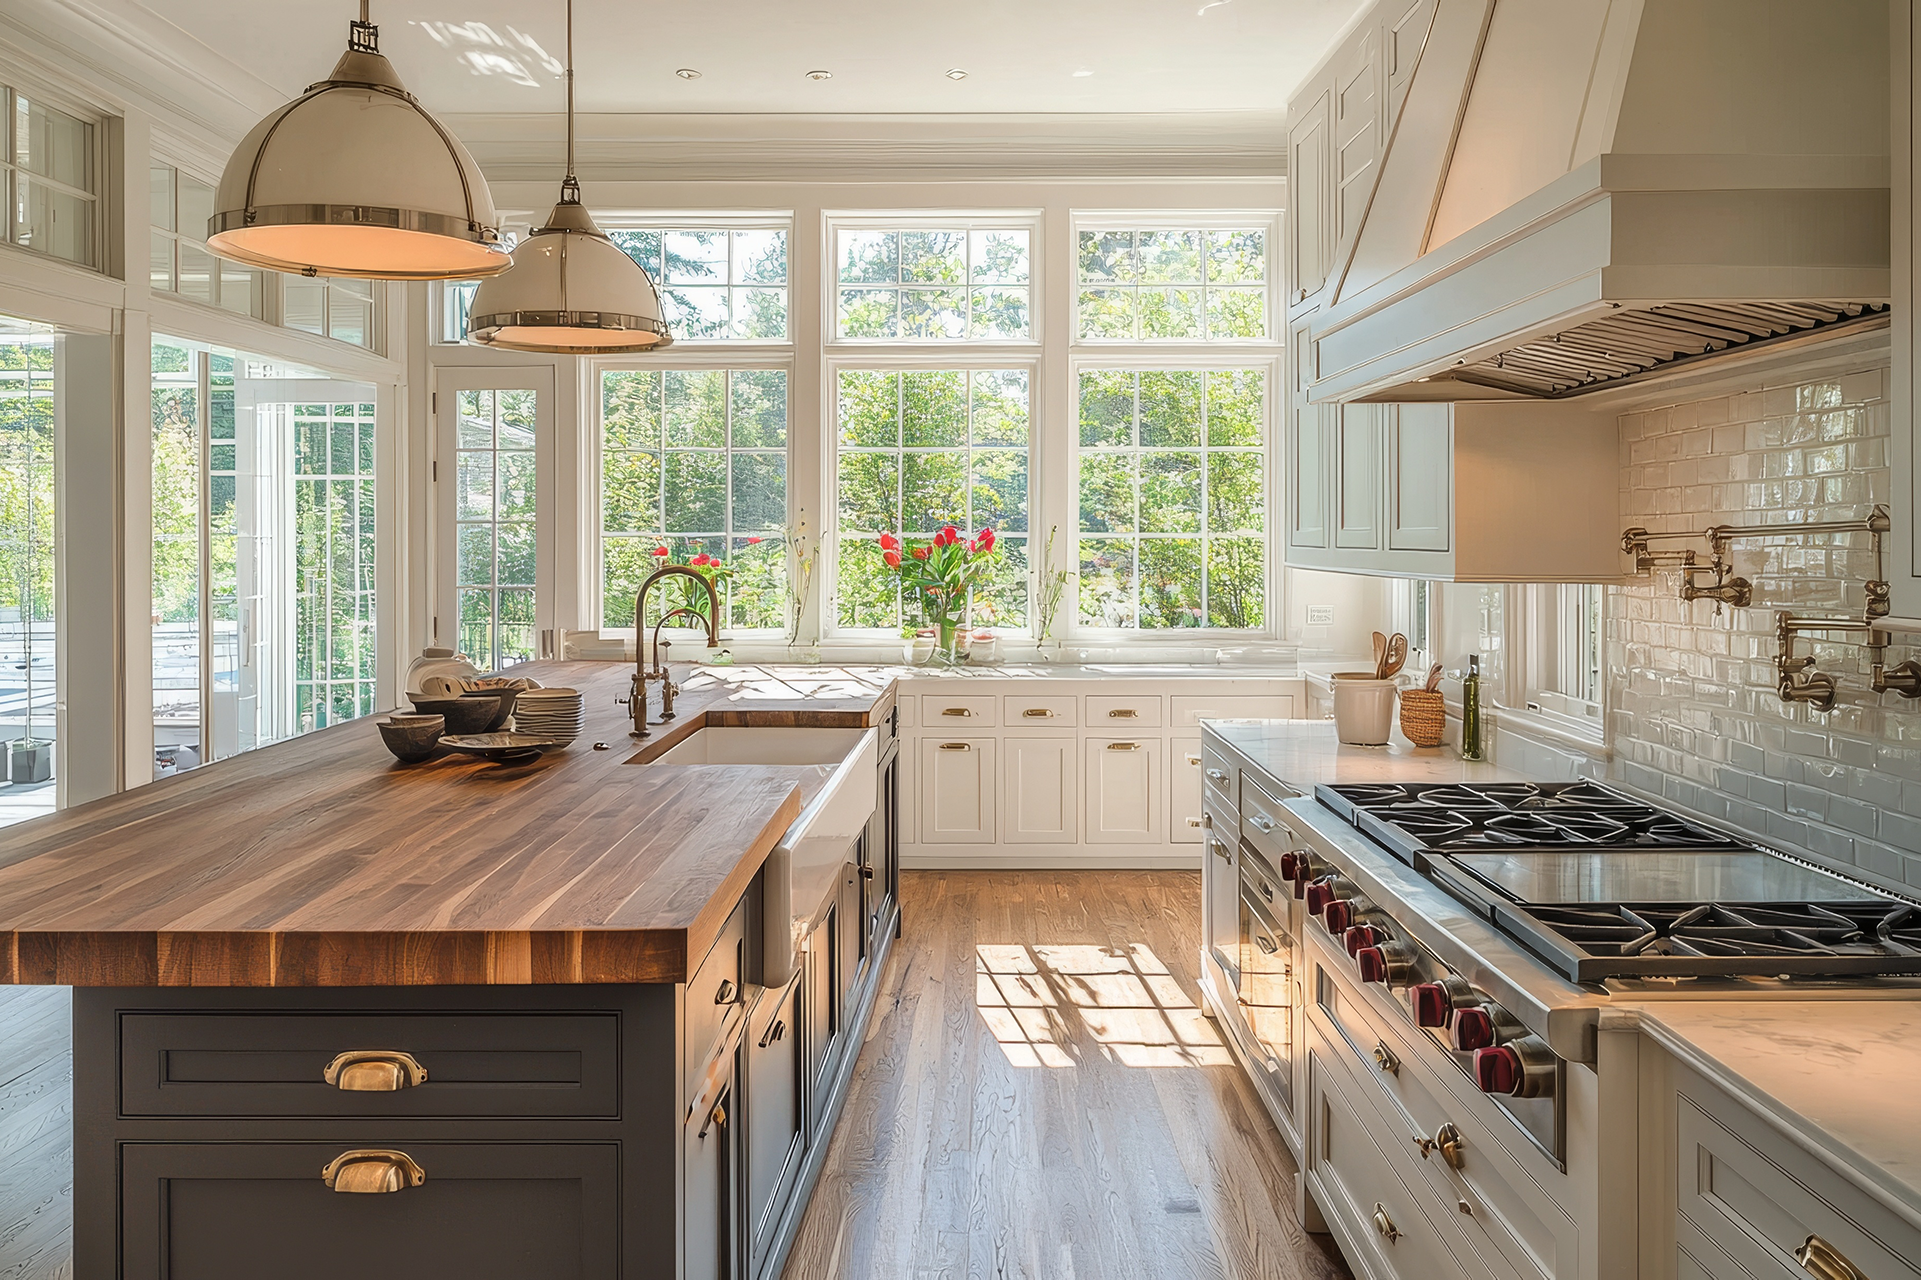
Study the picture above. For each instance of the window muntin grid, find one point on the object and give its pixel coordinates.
(47, 167)
(716, 284)
(933, 284)
(178, 262)
(494, 526)
(1180, 284)
(1172, 509)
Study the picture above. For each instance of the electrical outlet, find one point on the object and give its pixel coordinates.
(1320, 615)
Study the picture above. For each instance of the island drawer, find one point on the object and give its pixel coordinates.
(1220, 773)
(717, 991)
(481, 1212)
(454, 1064)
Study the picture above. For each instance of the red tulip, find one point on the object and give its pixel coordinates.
(950, 535)
(987, 539)
(921, 553)
(752, 541)
(888, 542)
(661, 552)
(892, 558)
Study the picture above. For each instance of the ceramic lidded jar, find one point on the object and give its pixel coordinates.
(439, 662)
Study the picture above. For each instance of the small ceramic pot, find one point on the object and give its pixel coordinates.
(920, 650)
(413, 738)
(1363, 708)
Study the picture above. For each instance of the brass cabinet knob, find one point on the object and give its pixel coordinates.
(372, 1172)
(374, 1071)
(1825, 1262)
(1385, 1225)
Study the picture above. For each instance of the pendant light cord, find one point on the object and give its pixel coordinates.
(570, 186)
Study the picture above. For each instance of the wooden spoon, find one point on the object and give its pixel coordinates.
(1396, 656)
(1380, 655)
(1434, 677)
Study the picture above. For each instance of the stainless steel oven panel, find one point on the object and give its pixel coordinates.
(1268, 991)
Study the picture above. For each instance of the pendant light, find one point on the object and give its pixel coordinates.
(572, 290)
(356, 178)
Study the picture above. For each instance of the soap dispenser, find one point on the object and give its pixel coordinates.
(1471, 710)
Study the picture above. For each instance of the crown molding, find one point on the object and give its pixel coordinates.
(787, 148)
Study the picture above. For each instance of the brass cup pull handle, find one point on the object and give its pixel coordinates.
(1123, 746)
(1825, 1262)
(374, 1071)
(1193, 822)
(1385, 1225)
(1193, 759)
(1447, 1141)
(956, 711)
(955, 746)
(1123, 713)
(1038, 713)
(372, 1171)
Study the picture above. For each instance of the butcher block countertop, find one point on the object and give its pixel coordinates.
(322, 862)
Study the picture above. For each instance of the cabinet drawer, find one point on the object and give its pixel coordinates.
(1220, 773)
(1135, 711)
(715, 994)
(1358, 1183)
(1753, 1192)
(956, 712)
(1189, 710)
(1025, 711)
(475, 1064)
(1264, 824)
(484, 1212)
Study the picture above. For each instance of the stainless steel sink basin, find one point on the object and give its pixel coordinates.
(806, 864)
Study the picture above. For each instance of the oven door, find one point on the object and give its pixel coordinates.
(1266, 992)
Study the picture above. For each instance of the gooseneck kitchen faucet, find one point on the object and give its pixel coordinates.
(637, 695)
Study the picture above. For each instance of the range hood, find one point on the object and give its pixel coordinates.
(1581, 194)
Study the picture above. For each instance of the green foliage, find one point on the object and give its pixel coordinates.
(1159, 284)
(27, 529)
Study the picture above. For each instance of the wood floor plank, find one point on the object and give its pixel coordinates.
(1039, 1098)
(36, 1133)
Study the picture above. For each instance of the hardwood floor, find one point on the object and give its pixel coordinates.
(36, 1133)
(1040, 1098)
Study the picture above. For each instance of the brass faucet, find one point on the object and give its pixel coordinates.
(637, 696)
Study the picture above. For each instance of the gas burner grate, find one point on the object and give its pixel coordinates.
(1578, 795)
(1594, 943)
(1487, 795)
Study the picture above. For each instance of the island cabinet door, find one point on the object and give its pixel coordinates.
(712, 1160)
(1124, 791)
(480, 1211)
(776, 1080)
(957, 790)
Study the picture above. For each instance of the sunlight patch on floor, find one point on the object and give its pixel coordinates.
(1049, 1006)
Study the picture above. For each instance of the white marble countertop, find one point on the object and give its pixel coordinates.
(1304, 753)
(1838, 1076)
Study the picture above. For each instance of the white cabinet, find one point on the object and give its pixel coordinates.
(1357, 133)
(1309, 445)
(957, 782)
(1184, 791)
(1308, 222)
(1124, 790)
(1904, 574)
(1468, 492)
(1040, 787)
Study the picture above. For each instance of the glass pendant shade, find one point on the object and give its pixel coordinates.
(355, 178)
(571, 290)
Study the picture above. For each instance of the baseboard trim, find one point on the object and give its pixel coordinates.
(1044, 858)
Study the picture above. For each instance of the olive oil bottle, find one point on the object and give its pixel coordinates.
(1471, 710)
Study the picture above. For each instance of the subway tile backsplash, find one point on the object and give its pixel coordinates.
(1693, 713)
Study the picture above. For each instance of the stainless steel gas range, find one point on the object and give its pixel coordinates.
(1605, 892)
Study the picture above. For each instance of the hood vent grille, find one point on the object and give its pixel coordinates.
(1630, 344)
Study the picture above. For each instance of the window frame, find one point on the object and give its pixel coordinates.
(268, 284)
(1198, 358)
(726, 355)
(696, 220)
(1267, 220)
(833, 222)
(933, 357)
(1550, 636)
(107, 200)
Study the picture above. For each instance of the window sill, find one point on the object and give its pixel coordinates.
(1550, 727)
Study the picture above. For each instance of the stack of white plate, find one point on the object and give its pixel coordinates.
(551, 713)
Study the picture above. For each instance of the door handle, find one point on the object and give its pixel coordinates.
(374, 1071)
(1222, 851)
(1447, 1141)
(372, 1172)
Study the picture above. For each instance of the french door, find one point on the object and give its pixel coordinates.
(494, 502)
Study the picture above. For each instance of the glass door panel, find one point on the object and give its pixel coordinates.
(493, 437)
(27, 568)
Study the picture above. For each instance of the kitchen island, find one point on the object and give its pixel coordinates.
(516, 1005)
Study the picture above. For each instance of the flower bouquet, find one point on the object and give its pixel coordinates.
(942, 572)
(680, 593)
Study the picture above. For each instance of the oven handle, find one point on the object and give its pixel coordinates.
(1250, 854)
(1263, 918)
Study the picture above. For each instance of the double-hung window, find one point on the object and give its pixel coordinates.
(49, 167)
(1175, 374)
(179, 206)
(932, 374)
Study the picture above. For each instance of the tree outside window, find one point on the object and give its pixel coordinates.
(1152, 285)
(715, 284)
(1173, 510)
(952, 285)
(921, 449)
(694, 461)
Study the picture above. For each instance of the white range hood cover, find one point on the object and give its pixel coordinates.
(1582, 193)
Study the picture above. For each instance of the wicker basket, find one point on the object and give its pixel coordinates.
(1423, 717)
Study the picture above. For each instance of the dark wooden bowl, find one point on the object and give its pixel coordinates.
(503, 698)
(463, 715)
(414, 741)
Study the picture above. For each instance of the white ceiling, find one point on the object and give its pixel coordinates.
(886, 56)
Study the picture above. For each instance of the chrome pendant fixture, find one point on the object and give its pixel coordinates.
(572, 290)
(356, 178)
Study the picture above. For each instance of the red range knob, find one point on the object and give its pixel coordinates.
(1471, 1029)
(1430, 1003)
(1372, 962)
(1293, 866)
(1338, 916)
(1301, 885)
(1319, 894)
(1498, 1070)
(1363, 935)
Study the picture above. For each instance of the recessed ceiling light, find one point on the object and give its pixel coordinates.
(955, 73)
(688, 73)
(1083, 72)
(820, 75)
